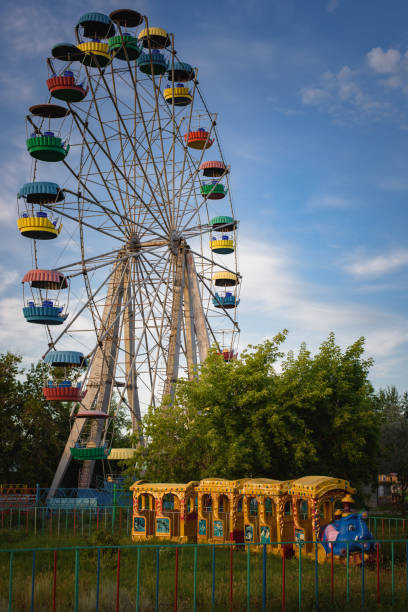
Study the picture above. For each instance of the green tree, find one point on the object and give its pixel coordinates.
(390, 404)
(33, 430)
(11, 394)
(331, 399)
(243, 418)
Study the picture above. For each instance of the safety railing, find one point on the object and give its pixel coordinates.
(76, 517)
(202, 577)
(388, 526)
(67, 520)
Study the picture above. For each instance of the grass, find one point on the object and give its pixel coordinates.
(22, 573)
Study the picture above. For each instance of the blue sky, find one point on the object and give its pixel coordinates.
(312, 102)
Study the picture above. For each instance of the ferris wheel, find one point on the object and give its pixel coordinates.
(132, 228)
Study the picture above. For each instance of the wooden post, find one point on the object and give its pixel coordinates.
(200, 324)
(191, 348)
(174, 340)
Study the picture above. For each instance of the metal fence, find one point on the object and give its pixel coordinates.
(387, 526)
(199, 577)
(106, 494)
(118, 519)
(62, 521)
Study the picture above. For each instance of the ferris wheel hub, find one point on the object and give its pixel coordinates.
(133, 244)
(176, 239)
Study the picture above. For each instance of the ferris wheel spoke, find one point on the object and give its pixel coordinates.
(97, 166)
(94, 200)
(148, 136)
(106, 140)
(105, 209)
(141, 337)
(132, 145)
(160, 345)
(69, 325)
(211, 261)
(72, 218)
(164, 314)
(140, 303)
(87, 129)
(106, 331)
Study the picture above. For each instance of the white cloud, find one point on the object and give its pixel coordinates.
(314, 95)
(372, 267)
(383, 62)
(334, 88)
(393, 82)
(285, 300)
(327, 201)
(332, 5)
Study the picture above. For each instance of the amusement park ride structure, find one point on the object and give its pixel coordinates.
(151, 288)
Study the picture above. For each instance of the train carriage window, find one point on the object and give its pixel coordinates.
(269, 507)
(303, 510)
(288, 508)
(321, 510)
(253, 507)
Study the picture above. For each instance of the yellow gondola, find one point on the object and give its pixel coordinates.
(96, 53)
(39, 227)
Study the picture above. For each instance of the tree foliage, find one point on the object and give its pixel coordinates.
(394, 451)
(33, 430)
(391, 404)
(244, 418)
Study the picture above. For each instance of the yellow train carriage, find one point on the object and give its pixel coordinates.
(267, 511)
(164, 510)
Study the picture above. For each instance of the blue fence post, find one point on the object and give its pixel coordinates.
(37, 494)
(248, 578)
(362, 578)
(114, 504)
(32, 582)
(316, 577)
(10, 601)
(392, 574)
(264, 578)
(406, 567)
(195, 579)
(213, 580)
(157, 577)
(138, 579)
(98, 575)
(300, 576)
(76, 595)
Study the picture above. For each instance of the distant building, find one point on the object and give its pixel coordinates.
(389, 489)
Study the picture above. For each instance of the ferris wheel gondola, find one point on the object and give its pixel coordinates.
(150, 290)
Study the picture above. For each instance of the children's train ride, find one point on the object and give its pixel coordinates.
(283, 515)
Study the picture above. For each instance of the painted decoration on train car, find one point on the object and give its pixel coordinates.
(249, 533)
(202, 527)
(265, 534)
(139, 524)
(218, 529)
(162, 525)
(299, 536)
